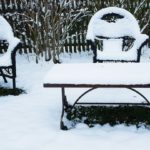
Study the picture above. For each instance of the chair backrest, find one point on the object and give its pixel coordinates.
(115, 36)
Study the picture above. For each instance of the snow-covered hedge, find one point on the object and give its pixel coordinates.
(128, 115)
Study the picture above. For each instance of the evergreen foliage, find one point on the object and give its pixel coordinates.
(128, 115)
(8, 91)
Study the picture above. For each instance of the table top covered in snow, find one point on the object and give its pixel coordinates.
(98, 74)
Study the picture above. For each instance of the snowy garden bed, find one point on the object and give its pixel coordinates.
(31, 121)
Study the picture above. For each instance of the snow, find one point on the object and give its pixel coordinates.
(5, 30)
(31, 121)
(122, 27)
(103, 74)
(112, 50)
(6, 33)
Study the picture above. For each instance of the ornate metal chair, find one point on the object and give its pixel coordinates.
(114, 35)
(7, 59)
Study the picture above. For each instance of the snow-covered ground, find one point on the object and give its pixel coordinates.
(31, 121)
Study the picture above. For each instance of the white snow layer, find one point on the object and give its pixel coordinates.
(112, 49)
(127, 26)
(99, 73)
(6, 33)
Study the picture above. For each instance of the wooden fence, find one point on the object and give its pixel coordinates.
(75, 40)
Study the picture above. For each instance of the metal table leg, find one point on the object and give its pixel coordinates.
(64, 106)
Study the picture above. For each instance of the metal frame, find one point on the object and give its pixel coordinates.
(67, 107)
(76, 102)
(10, 71)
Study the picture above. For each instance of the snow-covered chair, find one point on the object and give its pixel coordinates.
(114, 35)
(7, 59)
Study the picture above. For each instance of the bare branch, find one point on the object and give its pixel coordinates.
(140, 5)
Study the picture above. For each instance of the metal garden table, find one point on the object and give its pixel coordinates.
(105, 75)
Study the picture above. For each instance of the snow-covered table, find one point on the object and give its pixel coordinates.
(100, 75)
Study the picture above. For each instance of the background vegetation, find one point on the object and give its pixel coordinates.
(49, 27)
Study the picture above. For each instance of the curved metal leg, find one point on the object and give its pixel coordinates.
(139, 94)
(110, 103)
(83, 95)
